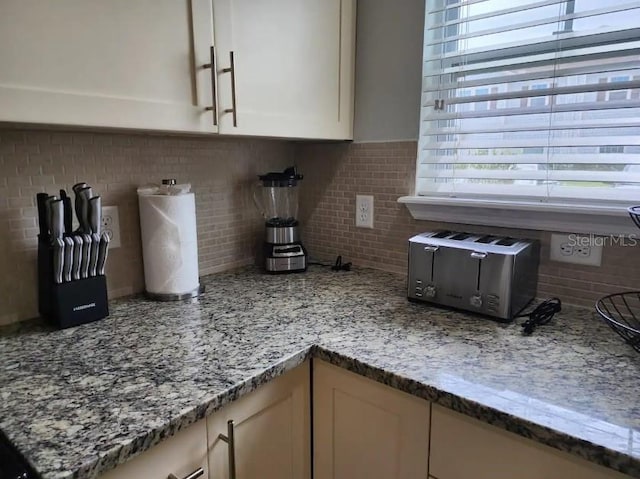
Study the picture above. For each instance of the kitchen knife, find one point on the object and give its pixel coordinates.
(67, 267)
(47, 208)
(102, 253)
(78, 186)
(82, 208)
(95, 214)
(77, 257)
(86, 256)
(93, 258)
(56, 219)
(56, 227)
(43, 221)
(58, 259)
(68, 212)
(95, 220)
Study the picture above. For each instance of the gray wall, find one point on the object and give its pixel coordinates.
(388, 69)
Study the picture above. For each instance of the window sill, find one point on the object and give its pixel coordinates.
(588, 219)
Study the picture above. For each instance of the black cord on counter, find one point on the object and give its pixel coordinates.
(337, 266)
(541, 314)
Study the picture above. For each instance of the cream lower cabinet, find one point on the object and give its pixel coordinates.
(271, 431)
(271, 439)
(181, 455)
(465, 448)
(366, 430)
(114, 63)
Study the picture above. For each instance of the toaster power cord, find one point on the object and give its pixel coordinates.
(541, 314)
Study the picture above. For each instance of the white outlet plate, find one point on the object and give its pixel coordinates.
(576, 249)
(364, 211)
(111, 225)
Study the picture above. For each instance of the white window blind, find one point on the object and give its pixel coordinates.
(531, 99)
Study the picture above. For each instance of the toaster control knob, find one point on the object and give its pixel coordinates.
(476, 300)
(430, 291)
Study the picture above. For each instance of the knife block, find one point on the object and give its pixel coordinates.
(68, 304)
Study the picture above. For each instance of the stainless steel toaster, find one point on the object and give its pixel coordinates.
(492, 275)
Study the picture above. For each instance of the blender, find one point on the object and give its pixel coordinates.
(276, 196)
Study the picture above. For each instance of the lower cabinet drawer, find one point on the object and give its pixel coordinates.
(464, 448)
(180, 455)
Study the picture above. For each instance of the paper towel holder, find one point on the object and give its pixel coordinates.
(174, 296)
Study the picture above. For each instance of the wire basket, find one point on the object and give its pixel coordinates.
(634, 212)
(621, 311)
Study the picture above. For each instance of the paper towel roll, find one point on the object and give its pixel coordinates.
(169, 243)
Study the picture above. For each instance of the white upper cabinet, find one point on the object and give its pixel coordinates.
(145, 64)
(293, 67)
(116, 63)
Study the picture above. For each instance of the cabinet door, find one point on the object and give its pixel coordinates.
(463, 447)
(113, 63)
(179, 455)
(294, 67)
(366, 430)
(271, 431)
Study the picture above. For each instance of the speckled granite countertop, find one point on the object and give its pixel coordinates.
(80, 401)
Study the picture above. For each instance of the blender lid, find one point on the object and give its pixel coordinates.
(288, 177)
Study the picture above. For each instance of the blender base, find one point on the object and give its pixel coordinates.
(285, 258)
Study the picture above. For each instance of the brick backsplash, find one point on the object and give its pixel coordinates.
(221, 170)
(335, 173)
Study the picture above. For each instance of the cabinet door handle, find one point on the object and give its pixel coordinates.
(213, 108)
(197, 473)
(232, 447)
(234, 108)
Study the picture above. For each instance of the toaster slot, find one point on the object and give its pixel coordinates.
(486, 239)
(507, 242)
(442, 234)
(430, 252)
(460, 236)
(479, 255)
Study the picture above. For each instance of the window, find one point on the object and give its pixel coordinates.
(531, 100)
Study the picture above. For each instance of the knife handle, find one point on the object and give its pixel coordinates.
(68, 259)
(77, 257)
(47, 209)
(43, 222)
(86, 256)
(95, 215)
(57, 218)
(102, 253)
(93, 259)
(68, 212)
(78, 186)
(58, 253)
(82, 203)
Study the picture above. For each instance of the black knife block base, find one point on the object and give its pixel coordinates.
(69, 304)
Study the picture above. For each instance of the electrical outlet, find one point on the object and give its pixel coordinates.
(111, 225)
(364, 211)
(576, 249)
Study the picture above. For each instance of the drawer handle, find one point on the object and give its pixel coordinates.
(232, 448)
(197, 473)
(234, 108)
(213, 108)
